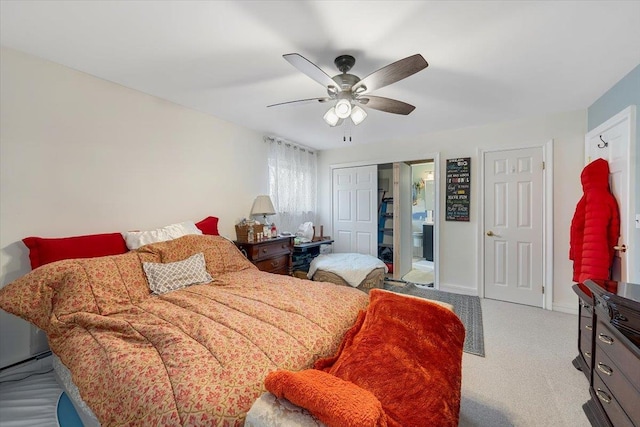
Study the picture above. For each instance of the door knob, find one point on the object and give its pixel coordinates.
(622, 248)
(489, 233)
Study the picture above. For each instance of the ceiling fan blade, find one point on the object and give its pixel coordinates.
(387, 105)
(391, 74)
(310, 69)
(301, 101)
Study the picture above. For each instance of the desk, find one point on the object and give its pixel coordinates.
(304, 253)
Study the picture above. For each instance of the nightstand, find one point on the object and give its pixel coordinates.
(270, 255)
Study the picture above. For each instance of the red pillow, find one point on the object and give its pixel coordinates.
(43, 251)
(209, 225)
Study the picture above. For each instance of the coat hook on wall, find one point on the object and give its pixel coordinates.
(604, 143)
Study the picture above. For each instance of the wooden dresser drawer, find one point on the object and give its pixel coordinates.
(611, 343)
(272, 255)
(619, 385)
(616, 414)
(278, 265)
(270, 249)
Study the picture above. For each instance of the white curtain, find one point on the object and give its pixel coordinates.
(292, 183)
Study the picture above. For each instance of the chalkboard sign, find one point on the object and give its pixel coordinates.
(458, 193)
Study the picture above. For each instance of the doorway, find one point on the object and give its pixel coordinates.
(407, 213)
(423, 201)
(515, 219)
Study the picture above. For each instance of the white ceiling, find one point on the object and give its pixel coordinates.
(489, 61)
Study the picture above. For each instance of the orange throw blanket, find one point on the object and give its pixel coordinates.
(399, 365)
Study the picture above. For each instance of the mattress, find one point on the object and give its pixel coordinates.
(63, 377)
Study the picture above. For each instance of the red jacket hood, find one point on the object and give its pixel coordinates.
(595, 176)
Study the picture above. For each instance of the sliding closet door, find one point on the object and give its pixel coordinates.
(402, 238)
(355, 211)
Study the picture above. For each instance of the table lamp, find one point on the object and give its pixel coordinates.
(262, 206)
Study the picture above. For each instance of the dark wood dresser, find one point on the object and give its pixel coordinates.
(270, 255)
(609, 346)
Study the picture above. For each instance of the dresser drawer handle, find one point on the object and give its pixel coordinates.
(605, 338)
(603, 395)
(264, 250)
(604, 369)
(274, 263)
(587, 354)
(588, 327)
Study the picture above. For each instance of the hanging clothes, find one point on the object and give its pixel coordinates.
(595, 227)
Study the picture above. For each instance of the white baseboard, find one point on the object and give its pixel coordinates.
(566, 308)
(458, 290)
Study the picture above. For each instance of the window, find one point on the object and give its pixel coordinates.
(292, 183)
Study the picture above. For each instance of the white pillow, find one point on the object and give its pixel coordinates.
(135, 239)
(172, 276)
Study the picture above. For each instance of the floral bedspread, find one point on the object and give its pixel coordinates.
(195, 356)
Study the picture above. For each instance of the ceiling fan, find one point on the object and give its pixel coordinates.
(350, 92)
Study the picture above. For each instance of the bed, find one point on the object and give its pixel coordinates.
(193, 355)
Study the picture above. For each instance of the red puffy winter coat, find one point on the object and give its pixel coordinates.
(595, 227)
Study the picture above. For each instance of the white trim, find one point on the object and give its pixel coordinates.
(547, 220)
(547, 224)
(564, 308)
(394, 159)
(436, 221)
(456, 289)
(480, 229)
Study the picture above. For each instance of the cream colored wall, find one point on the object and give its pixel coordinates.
(459, 246)
(80, 155)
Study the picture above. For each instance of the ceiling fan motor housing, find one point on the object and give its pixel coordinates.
(344, 62)
(346, 81)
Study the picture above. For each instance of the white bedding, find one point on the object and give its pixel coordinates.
(353, 268)
(269, 411)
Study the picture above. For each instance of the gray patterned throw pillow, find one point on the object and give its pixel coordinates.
(172, 276)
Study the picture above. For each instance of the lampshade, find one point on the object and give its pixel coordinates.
(358, 115)
(262, 206)
(343, 109)
(331, 117)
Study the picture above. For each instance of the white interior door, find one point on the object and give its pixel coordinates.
(513, 225)
(355, 211)
(402, 240)
(612, 141)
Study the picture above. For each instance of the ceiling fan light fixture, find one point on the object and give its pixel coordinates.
(358, 115)
(343, 108)
(331, 117)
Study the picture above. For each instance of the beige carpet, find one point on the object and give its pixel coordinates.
(526, 378)
(419, 276)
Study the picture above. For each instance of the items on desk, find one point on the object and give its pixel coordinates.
(305, 232)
